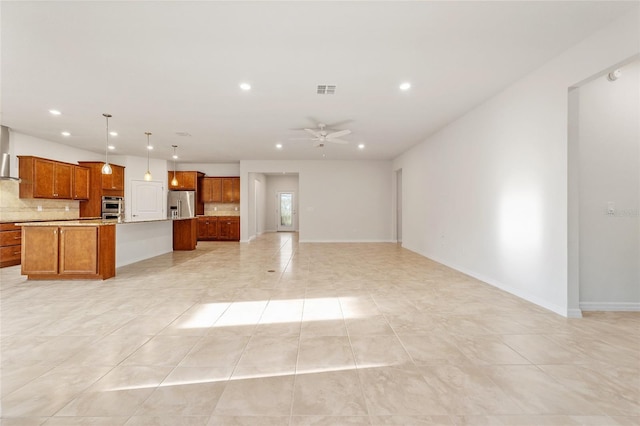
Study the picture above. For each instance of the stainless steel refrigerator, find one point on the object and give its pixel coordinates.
(181, 204)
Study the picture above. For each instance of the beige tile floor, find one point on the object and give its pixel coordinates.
(337, 334)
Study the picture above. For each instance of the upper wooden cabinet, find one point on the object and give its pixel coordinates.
(187, 181)
(43, 178)
(101, 185)
(80, 183)
(231, 190)
(211, 190)
(114, 181)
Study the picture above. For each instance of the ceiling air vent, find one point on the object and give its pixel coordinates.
(183, 133)
(326, 89)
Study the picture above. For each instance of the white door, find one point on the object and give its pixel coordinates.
(285, 211)
(147, 200)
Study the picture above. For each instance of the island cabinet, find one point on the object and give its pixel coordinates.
(43, 178)
(10, 244)
(187, 180)
(207, 228)
(185, 234)
(53, 252)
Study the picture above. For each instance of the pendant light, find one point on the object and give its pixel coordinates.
(106, 168)
(147, 176)
(174, 181)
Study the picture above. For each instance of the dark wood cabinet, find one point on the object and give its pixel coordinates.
(225, 190)
(219, 228)
(231, 190)
(185, 234)
(207, 228)
(67, 252)
(114, 181)
(187, 180)
(228, 228)
(211, 190)
(10, 244)
(43, 178)
(80, 183)
(101, 185)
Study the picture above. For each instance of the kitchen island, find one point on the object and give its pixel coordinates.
(62, 250)
(93, 249)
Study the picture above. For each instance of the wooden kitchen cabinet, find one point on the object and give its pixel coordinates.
(207, 228)
(187, 180)
(80, 183)
(114, 181)
(43, 178)
(211, 188)
(228, 228)
(101, 185)
(185, 234)
(10, 244)
(231, 190)
(68, 252)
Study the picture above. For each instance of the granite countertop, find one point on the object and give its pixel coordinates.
(89, 222)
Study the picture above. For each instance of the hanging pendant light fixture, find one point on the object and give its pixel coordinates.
(147, 176)
(174, 181)
(106, 168)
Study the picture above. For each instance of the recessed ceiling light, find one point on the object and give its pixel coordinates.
(405, 86)
(111, 147)
(279, 145)
(361, 146)
(66, 134)
(149, 147)
(245, 86)
(113, 133)
(54, 112)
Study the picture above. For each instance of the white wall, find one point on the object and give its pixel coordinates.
(210, 169)
(22, 144)
(275, 184)
(487, 194)
(339, 200)
(257, 204)
(609, 153)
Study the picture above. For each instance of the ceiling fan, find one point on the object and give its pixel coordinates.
(320, 136)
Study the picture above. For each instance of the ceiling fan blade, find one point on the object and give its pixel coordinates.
(338, 134)
(338, 124)
(340, 141)
(313, 133)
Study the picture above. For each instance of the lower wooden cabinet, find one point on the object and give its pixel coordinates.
(218, 228)
(10, 244)
(68, 252)
(185, 234)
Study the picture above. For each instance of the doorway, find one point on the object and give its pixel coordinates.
(285, 211)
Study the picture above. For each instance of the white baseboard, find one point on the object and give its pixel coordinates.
(610, 306)
(346, 241)
(574, 313)
(502, 286)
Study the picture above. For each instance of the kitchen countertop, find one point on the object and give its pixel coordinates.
(221, 214)
(93, 222)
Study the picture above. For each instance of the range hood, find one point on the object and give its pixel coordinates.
(5, 167)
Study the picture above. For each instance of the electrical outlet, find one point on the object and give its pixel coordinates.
(66, 208)
(39, 208)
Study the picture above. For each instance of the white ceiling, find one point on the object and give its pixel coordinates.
(168, 67)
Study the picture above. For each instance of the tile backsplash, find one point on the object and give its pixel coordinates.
(14, 208)
(218, 209)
